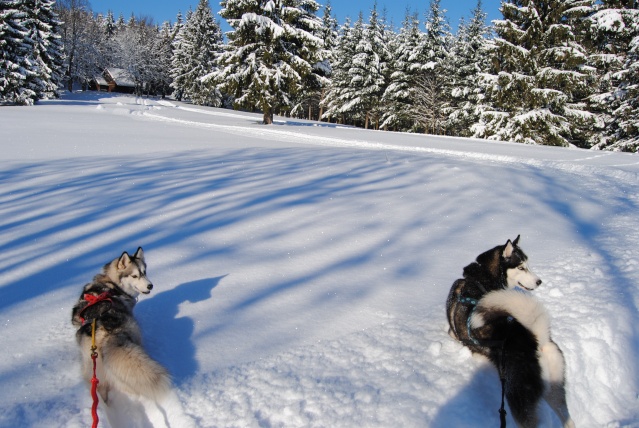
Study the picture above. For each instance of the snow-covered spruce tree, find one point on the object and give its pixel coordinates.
(163, 54)
(109, 25)
(330, 36)
(614, 38)
(437, 39)
(15, 48)
(398, 98)
(196, 49)
(340, 100)
(469, 59)
(308, 100)
(368, 68)
(177, 59)
(539, 81)
(432, 89)
(272, 48)
(109, 31)
(46, 57)
(120, 23)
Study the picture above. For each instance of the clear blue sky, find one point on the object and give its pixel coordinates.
(166, 10)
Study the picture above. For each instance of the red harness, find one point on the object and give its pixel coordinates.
(106, 296)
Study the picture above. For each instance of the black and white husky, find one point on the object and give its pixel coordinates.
(488, 314)
(122, 362)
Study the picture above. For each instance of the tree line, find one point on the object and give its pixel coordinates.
(553, 72)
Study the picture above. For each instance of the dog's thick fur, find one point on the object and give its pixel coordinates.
(512, 329)
(122, 362)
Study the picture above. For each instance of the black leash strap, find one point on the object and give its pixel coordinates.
(489, 344)
(502, 378)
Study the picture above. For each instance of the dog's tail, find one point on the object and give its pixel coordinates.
(514, 305)
(129, 368)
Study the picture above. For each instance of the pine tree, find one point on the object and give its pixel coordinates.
(314, 84)
(46, 57)
(110, 27)
(539, 81)
(164, 54)
(107, 46)
(437, 40)
(368, 69)
(120, 23)
(196, 49)
(178, 57)
(16, 70)
(398, 96)
(272, 48)
(614, 38)
(341, 100)
(469, 59)
(430, 96)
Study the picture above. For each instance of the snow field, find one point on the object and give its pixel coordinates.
(301, 271)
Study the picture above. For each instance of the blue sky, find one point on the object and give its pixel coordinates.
(166, 10)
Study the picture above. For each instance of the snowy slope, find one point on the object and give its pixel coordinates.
(301, 269)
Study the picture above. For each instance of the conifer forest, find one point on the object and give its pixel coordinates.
(550, 72)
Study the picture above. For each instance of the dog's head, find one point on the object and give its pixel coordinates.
(518, 274)
(131, 272)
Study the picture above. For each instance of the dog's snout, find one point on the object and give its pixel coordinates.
(538, 282)
(150, 286)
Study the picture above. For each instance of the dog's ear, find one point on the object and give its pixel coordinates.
(124, 261)
(516, 240)
(139, 254)
(508, 250)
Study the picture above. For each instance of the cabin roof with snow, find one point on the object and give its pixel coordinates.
(120, 77)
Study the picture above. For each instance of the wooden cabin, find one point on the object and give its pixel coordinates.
(114, 80)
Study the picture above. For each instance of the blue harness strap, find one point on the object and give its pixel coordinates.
(473, 303)
(468, 328)
(468, 301)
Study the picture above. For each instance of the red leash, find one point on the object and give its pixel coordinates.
(92, 300)
(94, 379)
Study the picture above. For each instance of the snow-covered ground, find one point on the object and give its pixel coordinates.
(301, 269)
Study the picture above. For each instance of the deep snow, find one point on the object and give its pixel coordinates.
(301, 269)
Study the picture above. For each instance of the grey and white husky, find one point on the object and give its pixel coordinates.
(122, 362)
(511, 328)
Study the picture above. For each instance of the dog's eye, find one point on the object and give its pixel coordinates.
(135, 276)
(521, 268)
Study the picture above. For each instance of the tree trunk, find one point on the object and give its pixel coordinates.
(321, 107)
(268, 116)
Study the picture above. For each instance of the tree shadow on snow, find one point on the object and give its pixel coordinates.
(289, 122)
(170, 335)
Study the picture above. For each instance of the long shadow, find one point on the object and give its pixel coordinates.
(478, 403)
(472, 408)
(171, 334)
(593, 231)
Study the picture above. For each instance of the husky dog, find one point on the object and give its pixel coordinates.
(488, 314)
(122, 363)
